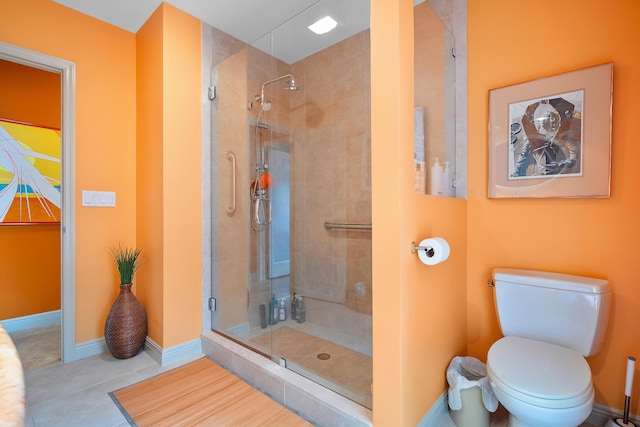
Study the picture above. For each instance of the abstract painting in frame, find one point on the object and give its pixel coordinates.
(551, 137)
(30, 174)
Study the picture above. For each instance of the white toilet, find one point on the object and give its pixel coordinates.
(549, 322)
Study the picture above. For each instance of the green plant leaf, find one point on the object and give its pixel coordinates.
(127, 261)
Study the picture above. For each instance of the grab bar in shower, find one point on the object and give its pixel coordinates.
(232, 203)
(346, 226)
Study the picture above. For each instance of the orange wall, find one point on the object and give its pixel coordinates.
(170, 174)
(105, 138)
(30, 265)
(29, 95)
(149, 173)
(508, 43)
(182, 177)
(29, 255)
(419, 321)
(106, 158)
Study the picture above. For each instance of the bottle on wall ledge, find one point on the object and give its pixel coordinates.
(437, 187)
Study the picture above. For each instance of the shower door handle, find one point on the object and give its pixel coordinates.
(232, 205)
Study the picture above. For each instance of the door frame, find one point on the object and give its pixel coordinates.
(67, 71)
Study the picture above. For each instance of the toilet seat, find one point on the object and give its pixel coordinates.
(539, 373)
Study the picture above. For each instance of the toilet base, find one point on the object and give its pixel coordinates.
(513, 422)
(534, 416)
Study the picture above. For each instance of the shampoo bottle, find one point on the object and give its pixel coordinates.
(263, 316)
(301, 314)
(282, 312)
(436, 179)
(294, 305)
(273, 311)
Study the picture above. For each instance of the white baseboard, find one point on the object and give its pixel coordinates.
(91, 348)
(600, 414)
(173, 354)
(437, 413)
(32, 321)
(98, 346)
(162, 356)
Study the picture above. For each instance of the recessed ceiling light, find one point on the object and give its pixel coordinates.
(323, 25)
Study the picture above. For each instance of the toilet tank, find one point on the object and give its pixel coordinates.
(571, 311)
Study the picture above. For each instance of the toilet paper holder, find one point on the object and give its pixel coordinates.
(428, 249)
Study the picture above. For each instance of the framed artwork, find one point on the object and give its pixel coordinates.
(30, 174)
(551, 137)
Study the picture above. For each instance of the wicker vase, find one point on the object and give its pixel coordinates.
(126, 325)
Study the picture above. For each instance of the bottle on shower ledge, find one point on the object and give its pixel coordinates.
(282, 312)
(273, 311)
(301, 313)
(294, 305)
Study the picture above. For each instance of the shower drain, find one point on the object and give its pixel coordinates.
(324, 356)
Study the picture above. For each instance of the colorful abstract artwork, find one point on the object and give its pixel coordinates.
(551, 137)
(30, 174)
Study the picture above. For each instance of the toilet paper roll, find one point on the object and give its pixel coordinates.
(439, 253)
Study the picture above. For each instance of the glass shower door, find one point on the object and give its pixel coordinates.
(314, 144)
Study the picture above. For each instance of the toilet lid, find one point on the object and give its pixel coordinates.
(537, 370)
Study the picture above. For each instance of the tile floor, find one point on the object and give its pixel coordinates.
(76, 394)
(37, 346)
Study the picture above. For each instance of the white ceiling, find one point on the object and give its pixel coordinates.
(247, 20)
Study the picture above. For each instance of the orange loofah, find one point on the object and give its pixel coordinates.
(266, 180)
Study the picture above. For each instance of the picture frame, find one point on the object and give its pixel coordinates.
(551, 137)
(30, 174)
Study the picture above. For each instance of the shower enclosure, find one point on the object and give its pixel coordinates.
(291, 204)
(290, 141)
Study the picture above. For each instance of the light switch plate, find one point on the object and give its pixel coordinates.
(99, 198)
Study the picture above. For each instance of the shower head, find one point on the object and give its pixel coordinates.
(292, 87)
(266, 106)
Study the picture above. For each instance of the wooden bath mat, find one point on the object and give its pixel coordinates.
(200, 393)
(348, 369)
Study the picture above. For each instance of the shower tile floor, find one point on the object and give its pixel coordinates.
(330, 334)
(346, 371)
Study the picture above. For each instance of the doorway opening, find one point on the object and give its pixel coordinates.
(66, 70)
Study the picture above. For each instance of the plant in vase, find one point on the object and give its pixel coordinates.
(126, 326)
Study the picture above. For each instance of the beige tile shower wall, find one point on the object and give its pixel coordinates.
(232, 230)
(331, 178)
